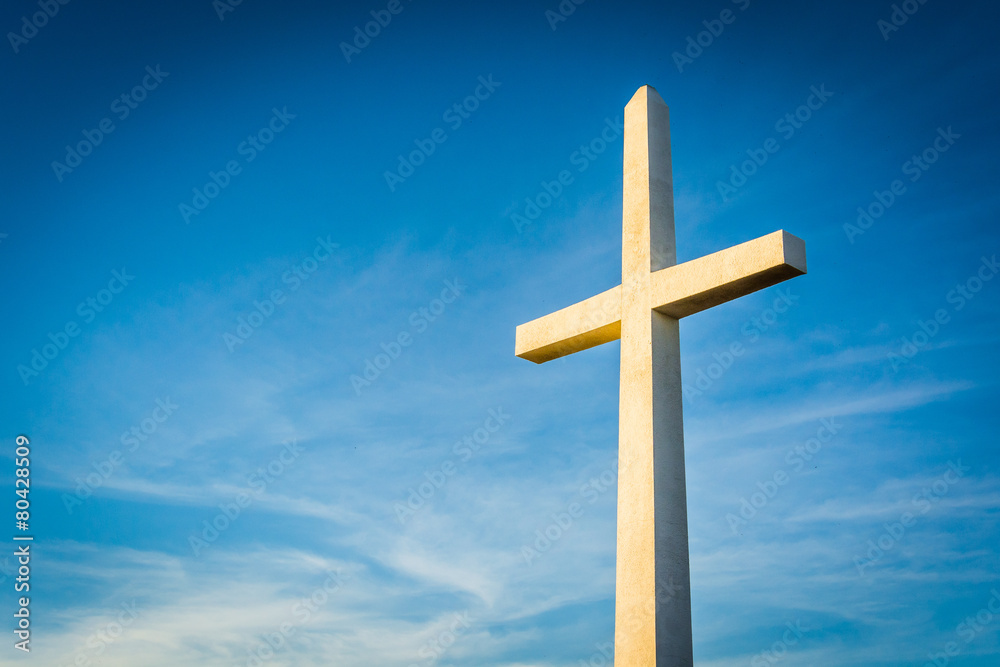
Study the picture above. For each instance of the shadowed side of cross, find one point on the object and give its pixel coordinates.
(652, 547)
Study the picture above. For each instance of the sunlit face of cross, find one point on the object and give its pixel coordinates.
(643, 312)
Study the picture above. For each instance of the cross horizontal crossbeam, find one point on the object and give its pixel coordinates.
(677, 291)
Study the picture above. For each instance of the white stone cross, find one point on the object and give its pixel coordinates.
(652, 548)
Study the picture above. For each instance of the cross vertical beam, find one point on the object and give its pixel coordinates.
(652, 547)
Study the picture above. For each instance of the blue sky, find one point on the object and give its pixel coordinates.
(200, 364)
